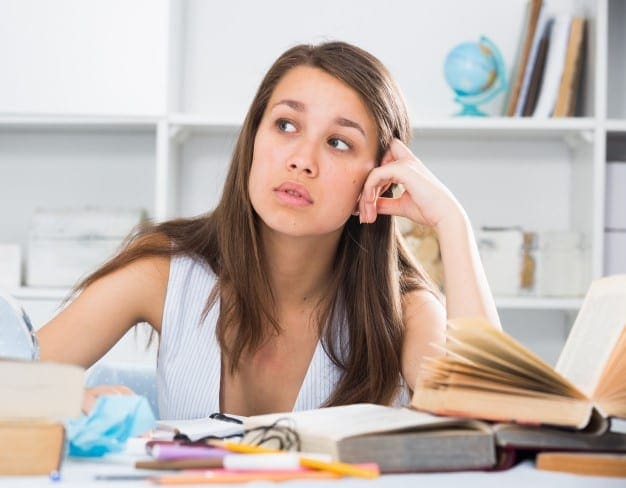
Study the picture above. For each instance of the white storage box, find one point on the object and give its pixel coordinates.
(10, 265)
(501, 255)
(65, 245)
(616, 195)
(614, 252)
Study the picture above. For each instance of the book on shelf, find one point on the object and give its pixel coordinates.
(407, 440)
(530, 24)
(486, 374)
(568, 93)
(538, 67)
(36, 397)
(593, 464)
(553, 71)
(537, 32)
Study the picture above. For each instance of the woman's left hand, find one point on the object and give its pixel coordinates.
(425, 200)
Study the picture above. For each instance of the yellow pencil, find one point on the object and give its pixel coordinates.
(242, 448)
(345, 469)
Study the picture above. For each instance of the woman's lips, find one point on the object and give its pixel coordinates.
(294, 194)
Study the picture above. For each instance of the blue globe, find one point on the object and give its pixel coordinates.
(17, 337)
(476, 73)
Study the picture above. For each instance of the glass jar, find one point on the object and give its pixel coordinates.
(563, 264)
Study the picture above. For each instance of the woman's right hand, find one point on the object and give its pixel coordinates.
(90, 396)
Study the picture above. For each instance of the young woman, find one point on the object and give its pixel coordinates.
(297, 290)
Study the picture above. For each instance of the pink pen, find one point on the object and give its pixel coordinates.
(168, 452)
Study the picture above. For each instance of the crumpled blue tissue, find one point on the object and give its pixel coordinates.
(112, 420)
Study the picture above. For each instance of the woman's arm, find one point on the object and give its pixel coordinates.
(427, 201)
(104, 311)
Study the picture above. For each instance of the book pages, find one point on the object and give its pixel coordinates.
(595, 333)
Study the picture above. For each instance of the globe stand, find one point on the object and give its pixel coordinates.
(469, 110)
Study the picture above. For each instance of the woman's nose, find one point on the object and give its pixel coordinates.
(304, 160)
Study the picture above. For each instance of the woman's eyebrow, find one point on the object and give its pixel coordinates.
(342, 121)
(294, 104)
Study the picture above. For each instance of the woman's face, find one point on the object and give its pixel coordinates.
(313, 150)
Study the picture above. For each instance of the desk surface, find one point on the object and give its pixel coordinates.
(81, 472)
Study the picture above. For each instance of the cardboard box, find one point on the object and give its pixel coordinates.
(65, 245)
(501, 255)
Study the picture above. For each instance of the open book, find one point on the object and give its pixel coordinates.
(404, 439)
(486, 374)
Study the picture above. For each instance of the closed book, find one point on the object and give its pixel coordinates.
(588, 463)
(565, 105)
(532, 16)
(397, 439)
(555, 62)
(538, 69)
(542, 20)
(31, 447)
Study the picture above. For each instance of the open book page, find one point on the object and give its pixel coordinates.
(485, 358)
(610, 395)
(350, 420)
(595, 333)
(196, 429)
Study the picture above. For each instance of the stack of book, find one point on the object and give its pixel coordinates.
(549, 68)
(36, 398)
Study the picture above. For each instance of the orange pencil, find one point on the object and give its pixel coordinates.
(225, 476)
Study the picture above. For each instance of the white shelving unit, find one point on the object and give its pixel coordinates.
(157, 127)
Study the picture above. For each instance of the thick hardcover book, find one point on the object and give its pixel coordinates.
(406, 440)
(34, 447)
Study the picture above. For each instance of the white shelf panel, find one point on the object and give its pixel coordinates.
(488, 126)
(505, 127)
(538, 303)
(37, 293)
(78, 122)
(615, 125)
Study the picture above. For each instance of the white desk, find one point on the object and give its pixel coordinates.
(81, 473)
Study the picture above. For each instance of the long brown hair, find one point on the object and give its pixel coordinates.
(372, 269)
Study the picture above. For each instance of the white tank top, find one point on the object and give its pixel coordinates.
(189, 358)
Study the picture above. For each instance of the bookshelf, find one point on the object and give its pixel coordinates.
(148, 117)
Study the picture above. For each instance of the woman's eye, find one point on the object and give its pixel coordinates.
(285, 125)
(339, 144)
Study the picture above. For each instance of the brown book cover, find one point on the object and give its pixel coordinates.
(572, 72)
(528, 33)
(536, 77)
(31, 447)
(594, 464)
